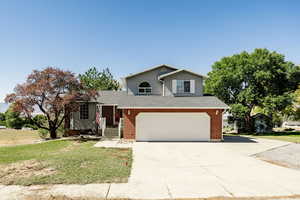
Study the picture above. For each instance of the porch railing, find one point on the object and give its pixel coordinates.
(120, 127)
(102, 125)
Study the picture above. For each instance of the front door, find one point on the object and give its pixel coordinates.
(107, 112)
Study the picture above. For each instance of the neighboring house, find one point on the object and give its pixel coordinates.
(291, 125)
(160, 104)
(262, 123)
(4, 107)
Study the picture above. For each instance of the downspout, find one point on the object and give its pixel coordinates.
(163, 86)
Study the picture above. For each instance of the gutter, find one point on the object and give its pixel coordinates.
(132, 107)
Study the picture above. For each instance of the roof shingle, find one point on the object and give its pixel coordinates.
(123, 100)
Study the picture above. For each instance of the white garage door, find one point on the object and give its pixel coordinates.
(172, 126)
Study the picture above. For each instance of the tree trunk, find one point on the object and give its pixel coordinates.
(53, 134)
(248, 124)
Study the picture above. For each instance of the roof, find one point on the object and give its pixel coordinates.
(123, 101)
(180, 70)
(150, 69)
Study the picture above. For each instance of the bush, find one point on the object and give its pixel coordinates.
(16, 123)
(13, 119)
(43, 133)
(39, 119)
(2, 116)
(2, 123)
(34, 127)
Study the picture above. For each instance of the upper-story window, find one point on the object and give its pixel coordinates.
(84, 111)
(145, 88)
(183, 86)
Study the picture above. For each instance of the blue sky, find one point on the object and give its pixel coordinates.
(129, 36)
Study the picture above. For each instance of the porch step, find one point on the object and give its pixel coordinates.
(111, 132)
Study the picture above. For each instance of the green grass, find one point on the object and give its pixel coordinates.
(284, 136)
(289, 136)
(70, 162)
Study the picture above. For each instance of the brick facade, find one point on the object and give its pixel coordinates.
(129, 116)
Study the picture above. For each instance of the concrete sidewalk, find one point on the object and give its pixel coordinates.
(115, 143)
(164, 170)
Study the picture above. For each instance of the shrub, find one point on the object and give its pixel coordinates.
(13, 119)
(2, 123)
(34, 127)
(39, 119)
(43, 133)
(2, 116)
(16, 123)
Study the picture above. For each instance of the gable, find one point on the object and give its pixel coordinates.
(180, 71)
(162, 69)
(181, 75)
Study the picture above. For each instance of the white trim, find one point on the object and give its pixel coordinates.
(109, 104)
(192, 86)
(163, 88)
(174, 86)
(150, 69)
(120, 107)
(180, 70)
(100, 110)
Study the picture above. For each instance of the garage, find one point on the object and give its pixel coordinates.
(172, 126)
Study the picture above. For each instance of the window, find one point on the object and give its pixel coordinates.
(145, 88)
(84, 111)
(183, 86)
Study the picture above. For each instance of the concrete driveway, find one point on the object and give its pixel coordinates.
(202, 169)
(163, 170)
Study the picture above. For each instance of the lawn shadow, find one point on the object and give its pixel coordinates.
(281, 133)
(237, 139)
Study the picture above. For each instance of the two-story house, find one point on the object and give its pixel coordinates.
(159, 104)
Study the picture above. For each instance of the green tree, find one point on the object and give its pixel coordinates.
(2, 119)
(96, 80)
(13, 119)
(54, 92)
(2, 116)
(247, 80)
(292, 112)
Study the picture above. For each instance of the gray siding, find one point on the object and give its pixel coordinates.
(84, 124)
(183, 76)
(151, 77)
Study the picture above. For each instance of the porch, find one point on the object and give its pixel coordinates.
(101, 120)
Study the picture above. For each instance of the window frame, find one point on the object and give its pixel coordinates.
(84, 111)
(146, 90)
(180, 86)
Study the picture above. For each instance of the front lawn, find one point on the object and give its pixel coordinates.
(289, 136)
(63, 162)
(9, 137)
